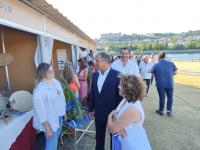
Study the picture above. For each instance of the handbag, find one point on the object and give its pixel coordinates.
(116, 144)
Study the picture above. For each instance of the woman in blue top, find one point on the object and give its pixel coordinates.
(126, 122)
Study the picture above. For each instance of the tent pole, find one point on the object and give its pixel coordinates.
(6, 67)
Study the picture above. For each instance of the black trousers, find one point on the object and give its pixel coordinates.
(100, 135)
(147, 81)
(152, 80)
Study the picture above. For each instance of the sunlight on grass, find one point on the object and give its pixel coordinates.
(191, 66)
(187, 79)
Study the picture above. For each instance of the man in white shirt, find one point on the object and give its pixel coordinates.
(132, 57)
(145, 71)
(124, 64)
(83, 53)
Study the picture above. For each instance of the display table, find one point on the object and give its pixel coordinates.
(18, 133)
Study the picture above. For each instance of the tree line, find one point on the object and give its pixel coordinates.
(155, 41)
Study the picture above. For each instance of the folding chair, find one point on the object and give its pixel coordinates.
(77, 125)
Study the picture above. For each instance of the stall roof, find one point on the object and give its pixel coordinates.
(47, 9)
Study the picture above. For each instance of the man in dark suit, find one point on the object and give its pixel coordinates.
(104, 96)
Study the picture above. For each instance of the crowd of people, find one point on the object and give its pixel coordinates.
(112, 89)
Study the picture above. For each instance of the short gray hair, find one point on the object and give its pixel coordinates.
(105, 56)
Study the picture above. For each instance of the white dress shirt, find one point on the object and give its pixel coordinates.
(130, 68)
(145, 70)
(101, 79)
(48, 104)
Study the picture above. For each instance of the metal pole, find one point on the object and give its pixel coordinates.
(6, 67)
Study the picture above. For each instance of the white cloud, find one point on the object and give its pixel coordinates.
(131, 16)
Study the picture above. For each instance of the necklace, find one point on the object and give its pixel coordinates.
(52, 84)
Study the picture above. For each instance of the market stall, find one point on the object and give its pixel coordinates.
(31, 32)
(18, 133)
(21, 45)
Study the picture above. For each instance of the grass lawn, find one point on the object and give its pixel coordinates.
(188, 79)
(181, 132)
(188, 65)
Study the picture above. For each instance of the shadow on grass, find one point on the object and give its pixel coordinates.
(180, 132)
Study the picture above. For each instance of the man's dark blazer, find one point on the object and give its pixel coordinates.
(104, 102)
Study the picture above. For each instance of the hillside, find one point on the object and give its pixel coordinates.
(112, 42)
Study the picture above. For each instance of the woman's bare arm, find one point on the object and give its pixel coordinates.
(76, 81)
(130, 115)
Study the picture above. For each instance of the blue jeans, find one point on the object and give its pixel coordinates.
(60, 123)
(169, 93)
(51, 144)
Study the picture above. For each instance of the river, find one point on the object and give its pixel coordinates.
(185, 56)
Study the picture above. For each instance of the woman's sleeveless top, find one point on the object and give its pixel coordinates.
(136, 138)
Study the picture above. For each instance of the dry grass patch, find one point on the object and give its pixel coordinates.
(188, 80)
(188, 73)
(188, 65)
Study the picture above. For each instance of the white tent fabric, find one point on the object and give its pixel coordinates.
(43, 50)
(78, 51)
(74, 57)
